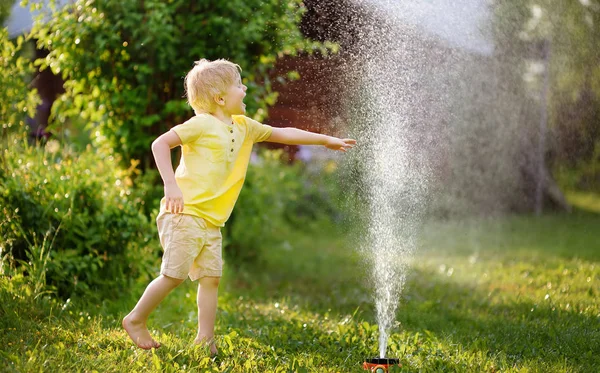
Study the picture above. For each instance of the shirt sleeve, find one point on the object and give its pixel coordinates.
(189, 131)
(257, 131)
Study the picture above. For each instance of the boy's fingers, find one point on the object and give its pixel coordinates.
(174, 205)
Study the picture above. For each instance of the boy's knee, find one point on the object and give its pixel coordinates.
(174, 281)
(210, 281)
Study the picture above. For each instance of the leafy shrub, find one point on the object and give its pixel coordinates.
(276, 194)
(124, 60)
(104, 240)
(5, 6)
(17, 100)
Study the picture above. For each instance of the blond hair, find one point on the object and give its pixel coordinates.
(208, 79)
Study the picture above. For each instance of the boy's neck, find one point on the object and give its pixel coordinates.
(222, 116)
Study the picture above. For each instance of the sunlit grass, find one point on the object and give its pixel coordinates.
(495, 295)
(587, 201)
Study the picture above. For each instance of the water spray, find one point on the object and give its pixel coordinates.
(386, 114)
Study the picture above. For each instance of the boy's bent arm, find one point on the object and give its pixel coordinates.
(295, 136)
(161, 149)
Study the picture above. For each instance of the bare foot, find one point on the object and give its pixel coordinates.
(204, 342)
(139, 333)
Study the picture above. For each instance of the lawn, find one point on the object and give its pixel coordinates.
(516, 294)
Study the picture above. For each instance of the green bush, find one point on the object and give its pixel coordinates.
(278, 194)
(17, 100)
(81, 211)
(124, 60)
(5, 6)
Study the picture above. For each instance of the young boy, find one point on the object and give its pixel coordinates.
(200, 195)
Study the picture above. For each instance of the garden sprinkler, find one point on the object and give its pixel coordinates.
(380, 365)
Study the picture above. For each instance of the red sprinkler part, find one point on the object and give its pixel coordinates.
(378, 365)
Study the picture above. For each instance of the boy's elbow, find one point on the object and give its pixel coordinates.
(156, 144)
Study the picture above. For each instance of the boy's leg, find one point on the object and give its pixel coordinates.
(135, 322)
(207, 310)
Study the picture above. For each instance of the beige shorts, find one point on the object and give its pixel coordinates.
(192, 246)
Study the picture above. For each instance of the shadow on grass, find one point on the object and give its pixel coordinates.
(521, 330)
(457, 313)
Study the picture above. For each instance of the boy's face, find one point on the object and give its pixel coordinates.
(234, 99)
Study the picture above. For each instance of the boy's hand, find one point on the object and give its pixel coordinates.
(334, 143)
(173, 198)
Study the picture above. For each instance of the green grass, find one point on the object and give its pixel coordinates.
(584, 200)
(517, 294)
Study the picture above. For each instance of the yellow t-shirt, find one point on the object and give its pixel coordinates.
(214, 161)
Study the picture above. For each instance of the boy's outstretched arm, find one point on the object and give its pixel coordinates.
(295, 136)
(161, 148)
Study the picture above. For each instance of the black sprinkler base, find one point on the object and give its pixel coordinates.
(380, 365)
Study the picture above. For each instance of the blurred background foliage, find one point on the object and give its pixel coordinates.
(275, 195)
(566, 36)
(5, 6)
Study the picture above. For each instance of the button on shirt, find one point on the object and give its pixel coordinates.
(213, 164)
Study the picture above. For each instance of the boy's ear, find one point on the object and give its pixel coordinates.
(219, 100)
